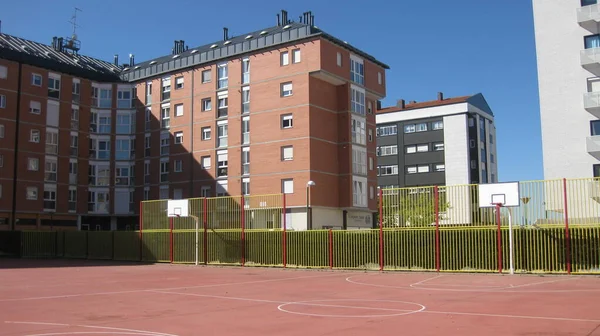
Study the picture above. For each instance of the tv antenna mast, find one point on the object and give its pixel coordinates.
(73, 43)
(73, 21)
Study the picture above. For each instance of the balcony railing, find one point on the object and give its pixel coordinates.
(593, 146)
(588, 17)
(591, 102)
(72, 178)
(590, 60)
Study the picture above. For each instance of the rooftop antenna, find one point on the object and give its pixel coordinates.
(73, 43)
(73, 21)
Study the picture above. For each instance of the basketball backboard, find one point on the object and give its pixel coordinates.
(177, 208)
(504, 193)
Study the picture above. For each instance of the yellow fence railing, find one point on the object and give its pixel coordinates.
(555, 228)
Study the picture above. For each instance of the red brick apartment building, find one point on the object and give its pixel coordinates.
(82, 141)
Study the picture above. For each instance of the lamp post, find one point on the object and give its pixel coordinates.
(308, 208)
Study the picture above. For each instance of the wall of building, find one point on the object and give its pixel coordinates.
(562, 84)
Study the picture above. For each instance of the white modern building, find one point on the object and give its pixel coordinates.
(568, 61)
(443, 142)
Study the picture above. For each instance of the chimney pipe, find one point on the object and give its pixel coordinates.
(181, 46)
(284, 19)
(312, 20)
(401, 103)
(378, 105)
(306, 19)
(440, 96)
(116, 60)
(175, 44)
(278, 21)
(225, 34)
(131, 60)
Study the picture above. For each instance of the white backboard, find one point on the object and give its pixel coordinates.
(177, 208)
(506, 193)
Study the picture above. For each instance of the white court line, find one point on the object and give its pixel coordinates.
(115, 330)
(428, 279)
(514, 316)
(473, 290)
(91, 332)
(169, 288)
(543, 282)
(304, 303)
(424, 311)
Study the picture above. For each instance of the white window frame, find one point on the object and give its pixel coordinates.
(387, 150)
(246, 99)
(36, 79)
(387, 130)
(223, 76)
(422, 148)
(179, 83)
(246, 161)
(339, 59)
(438, 146)
(287, 89)
(35, 107)
(357, 70)
(245, 71)
(204, 161)
(287, 153)
(50, 196)
(222, 135)
(410, 128)
(358, 130)
(421, 127)
(296, 56)
(34, 136)
(423, 169)
(31, 193)
(206, 133)
(284, 58)
(178, 166)
(357, 100)
(387, 170)
(437, 125)
(206, 104)
(178, 137)
(179, 110)
(206, 76)
(246, 186)
(3, 72)
(287, 119)
(440, 167)
(287, 186)
(245, 130)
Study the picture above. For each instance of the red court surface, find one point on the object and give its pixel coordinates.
(48, 297)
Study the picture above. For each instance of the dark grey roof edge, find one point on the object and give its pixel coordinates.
(479, 101)
(238, 47)
(44, 56)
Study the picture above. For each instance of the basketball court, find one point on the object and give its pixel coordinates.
(58, 297)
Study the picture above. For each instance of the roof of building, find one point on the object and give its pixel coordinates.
(63, 57)
(237, 46)
(45, 56)
(476, 100)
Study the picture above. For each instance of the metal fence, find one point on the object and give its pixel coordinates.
(555, 229)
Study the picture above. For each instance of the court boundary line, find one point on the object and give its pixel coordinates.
(484, 290)
(170, 288)
(425, 311)
(115, 329)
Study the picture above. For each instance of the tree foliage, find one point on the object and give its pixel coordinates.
(412, 208)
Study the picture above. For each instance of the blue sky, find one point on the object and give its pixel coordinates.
(458, 47)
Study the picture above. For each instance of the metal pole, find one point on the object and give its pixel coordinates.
(510, 243)
(308, 208)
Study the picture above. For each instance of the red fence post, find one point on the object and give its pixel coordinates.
(141, 231)
(243, 231)
(499, 238)
(381, 262)
(567, 236)
(205, 224)
(284, 233)
(330, 235)
(171, 238)
(437, 227)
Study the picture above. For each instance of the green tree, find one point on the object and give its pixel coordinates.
(412, 207)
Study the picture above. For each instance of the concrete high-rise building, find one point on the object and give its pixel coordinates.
(260, 113)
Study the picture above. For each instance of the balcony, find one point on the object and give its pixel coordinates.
(588, 17)
(593, 146)
(591, 102)
(590, 60)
